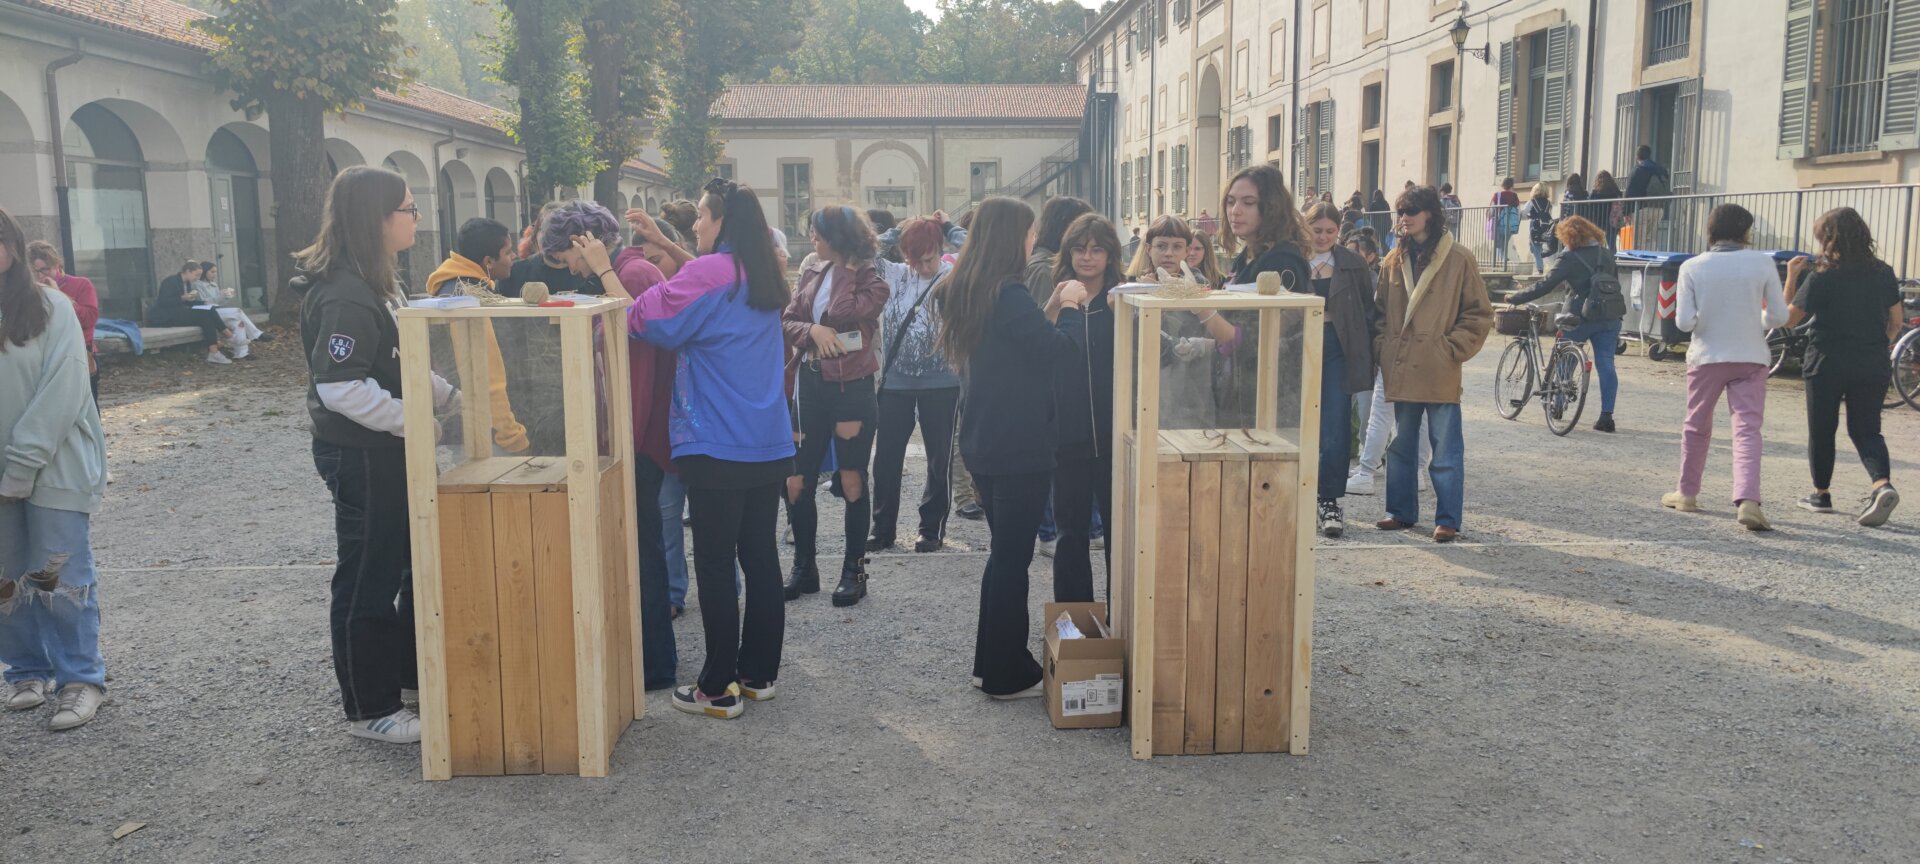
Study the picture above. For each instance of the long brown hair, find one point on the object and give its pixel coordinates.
(1279, 222)
(23, 312)
(1089, 229)
(995, 254)
(353, 232)
(1844, 239)
(1209, 262)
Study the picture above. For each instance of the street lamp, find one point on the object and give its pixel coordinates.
(1459, 35)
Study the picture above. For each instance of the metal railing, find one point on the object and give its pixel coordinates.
(1678, 223)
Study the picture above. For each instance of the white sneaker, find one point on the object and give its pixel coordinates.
(218, 359)
(1045, 547)
(400, 727)
(75, 706)
(1038, 690)
(1359, 483)
(23, 695)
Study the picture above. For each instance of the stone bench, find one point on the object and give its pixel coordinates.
(151, 338)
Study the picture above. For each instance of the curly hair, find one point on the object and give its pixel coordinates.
(1844, 238)
(1576, 231)
(575, 218)
(1279, 221)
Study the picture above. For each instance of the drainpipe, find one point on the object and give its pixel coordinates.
(446, 231)
(56, 127)
(933, 167)
(1293, 110)
(1586, 122)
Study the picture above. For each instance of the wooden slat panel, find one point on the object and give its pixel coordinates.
(1289, 557)
(1121, 535)
(1203, 599)
(1169, 611)
(473, 637)
(578, 385)
(416, 368)
(553, 590)
(1270, 556)
(1144, 420)
(519, 632)
(1230, 662)
(627, 528)
(1298, 523)
(613, 566)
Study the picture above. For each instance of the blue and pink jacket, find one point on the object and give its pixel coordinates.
(729, 401)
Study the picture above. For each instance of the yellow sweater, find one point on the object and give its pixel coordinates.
(507, 431)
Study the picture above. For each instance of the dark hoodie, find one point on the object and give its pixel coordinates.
(1083, 386)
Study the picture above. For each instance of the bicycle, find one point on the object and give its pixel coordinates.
(1788, 342)
(1561, 373)
(1905, 383)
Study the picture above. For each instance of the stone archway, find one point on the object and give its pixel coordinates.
(503, 205)
(23, 177)
(237, 157)
(895, 155)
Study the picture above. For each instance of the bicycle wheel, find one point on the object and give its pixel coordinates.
(1906, 368)
(1566, 387)
(1779, 339)
(1513, 379)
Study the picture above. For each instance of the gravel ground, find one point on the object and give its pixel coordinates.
(1586, 677)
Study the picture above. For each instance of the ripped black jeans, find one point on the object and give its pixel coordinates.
(824, 411)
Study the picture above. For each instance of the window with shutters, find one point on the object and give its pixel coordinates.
(1180, 179)
(1146, 16)
(1669, 27)
(1161, 182)
(1857, 51)
(1143, 184)
(1162, 8)
(1313, 151)
(1181, 11)
(1126, 193)
(796, 197)
(1534, 109)
(1126, 54)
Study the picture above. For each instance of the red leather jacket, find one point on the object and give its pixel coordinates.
(858, 297)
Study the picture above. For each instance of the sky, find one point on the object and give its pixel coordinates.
(929, 7)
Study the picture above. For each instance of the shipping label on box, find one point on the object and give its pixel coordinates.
(1102, 695)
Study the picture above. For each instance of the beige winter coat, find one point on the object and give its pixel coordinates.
(1433, 325)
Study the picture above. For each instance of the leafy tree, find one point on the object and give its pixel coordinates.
(435, 61)
(856, 42)
(619, 49)
(472, 29)
(295, 62)
(553, 127)
(717, 39)
(1003, 41)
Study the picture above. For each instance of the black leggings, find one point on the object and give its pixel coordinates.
(823, 405)
(729, 523)
(935, 410)
(1078, 483)
(1862, 391)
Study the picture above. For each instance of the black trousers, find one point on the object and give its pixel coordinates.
(935, 410)
(660, 658)
(1077, 484)
(730, 524)
(823, 405)
(1014, 504)
(186, 316)
(1861, 391)
(372, 611)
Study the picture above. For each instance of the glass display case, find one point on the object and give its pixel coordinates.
(1216, 396)
(525, 554)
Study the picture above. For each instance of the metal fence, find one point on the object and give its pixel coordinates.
(1678, 223)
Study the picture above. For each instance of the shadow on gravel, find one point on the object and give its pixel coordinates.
(1660, 593)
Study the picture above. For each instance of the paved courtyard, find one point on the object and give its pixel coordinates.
(1586, 677)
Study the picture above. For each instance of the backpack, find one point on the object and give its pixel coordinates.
(1604, 301)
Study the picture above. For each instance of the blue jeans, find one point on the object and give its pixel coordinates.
(1604, 336)
(661, 655)
(1336, 419)
(49, 616)
(1449, 462)
(673, 537)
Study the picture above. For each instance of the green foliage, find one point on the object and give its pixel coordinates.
(333, 52)
(536, 59)
(856, 42)
(619, 49)
(453, 42)
(717, 40)
(435, 62)
(1003, 41)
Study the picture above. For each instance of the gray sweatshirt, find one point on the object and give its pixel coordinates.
(56, 455)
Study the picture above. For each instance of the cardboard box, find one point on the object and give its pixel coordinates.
(1086, 678)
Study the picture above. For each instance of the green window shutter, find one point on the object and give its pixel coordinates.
(1900, 95)
(1302, 136)
(1323, 148)
(1626, 133)
(1796, 88)
(1503, 116)
(1557, 124)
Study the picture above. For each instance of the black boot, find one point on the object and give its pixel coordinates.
(805, 579)
(1605, 423)
(853, 583)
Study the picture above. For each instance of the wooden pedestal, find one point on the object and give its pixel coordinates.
(526, 569)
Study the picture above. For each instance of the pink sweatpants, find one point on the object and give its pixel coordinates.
(1746, 387)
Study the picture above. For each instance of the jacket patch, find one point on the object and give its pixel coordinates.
(339, 347)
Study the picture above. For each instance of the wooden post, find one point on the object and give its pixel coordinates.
(1302, 653)
(1146, 438)
(423, 510)
(619, 347)
(1119, 533)
(1266, 402)
(473, 345)
(583, 498)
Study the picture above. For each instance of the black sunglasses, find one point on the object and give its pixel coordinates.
(1407, 212)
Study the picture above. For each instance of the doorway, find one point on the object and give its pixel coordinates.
(1370, 168)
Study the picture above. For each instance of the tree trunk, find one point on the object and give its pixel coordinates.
(297, 138)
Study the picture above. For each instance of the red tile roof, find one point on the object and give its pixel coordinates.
(168, 22)
(1061, 103)
(645, 168)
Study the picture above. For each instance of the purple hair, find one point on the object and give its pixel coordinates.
(574, 218)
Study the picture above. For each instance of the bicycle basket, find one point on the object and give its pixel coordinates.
(1512, 322)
